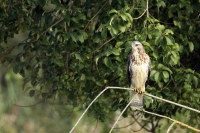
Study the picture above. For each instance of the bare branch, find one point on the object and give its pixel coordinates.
(178, 122)
(145, 11)
(122, 88)
(170, 127)
(180, 105)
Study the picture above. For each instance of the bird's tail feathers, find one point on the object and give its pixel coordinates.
(137, 101)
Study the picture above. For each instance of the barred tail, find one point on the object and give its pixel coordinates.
(137, 101)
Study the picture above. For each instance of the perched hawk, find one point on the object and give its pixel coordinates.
(138, 70)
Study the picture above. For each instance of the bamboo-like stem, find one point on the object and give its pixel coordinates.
(122, 112)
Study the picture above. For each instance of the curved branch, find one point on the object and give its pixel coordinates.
(145, 11)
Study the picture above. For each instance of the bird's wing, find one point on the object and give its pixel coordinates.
(129, 70)
(149, 71)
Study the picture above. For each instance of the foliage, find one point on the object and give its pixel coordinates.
(76, 48)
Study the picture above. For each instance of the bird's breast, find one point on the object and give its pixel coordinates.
(140, 74)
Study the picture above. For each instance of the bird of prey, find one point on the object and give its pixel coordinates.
(138, 70)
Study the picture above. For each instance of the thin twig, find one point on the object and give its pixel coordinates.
(180, 105)
(141, 126)
(122, 112)
(29, 105)
(146, 10)
(170, 127)
(105, 43)
(95, 15)
(53, 25)
(126, 125)
(141, 14)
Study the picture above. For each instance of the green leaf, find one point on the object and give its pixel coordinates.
(80, 38)
(195, 81)
(112, 11)
(16, 69)
(177, 23)
(59, 62)
(81, 16)
(108, 62)
(165, 74)
(31, 93)
(96, 60)
(174, 60)
(66, 15)
(158, 39)
(169, 39)
(100, 83)
(66, 36)
(160, 27)
(118, 44)
(123, 16)
(191, 46)
(114, 30)
(168, 31)
(153, 72)
(156, 33)
(157, 77)
(78, 56)
(74, 36)
(115, 51)
(162, 67)
(22, 73)
(82, 77)
(122, 28)
(166, 91)
(104, 33)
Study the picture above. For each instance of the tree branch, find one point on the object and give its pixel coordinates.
(178, 122)
(122, 88)
(145, 11)
(180, 105)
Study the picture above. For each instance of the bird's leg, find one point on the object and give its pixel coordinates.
(142, 90)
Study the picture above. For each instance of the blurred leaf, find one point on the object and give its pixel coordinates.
(74, 36)
(115, 51)
(157, 76)
(169, 39)
(191, 46)
(16, 69)
(112, 11)
(195, 81)
(165, 74)
(108, 62)
(31, 93)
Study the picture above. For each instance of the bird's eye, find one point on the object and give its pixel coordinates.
(136, 45)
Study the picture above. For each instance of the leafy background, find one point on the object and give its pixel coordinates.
(70, 51)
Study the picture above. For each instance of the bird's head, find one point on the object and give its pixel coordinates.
(137, 46)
